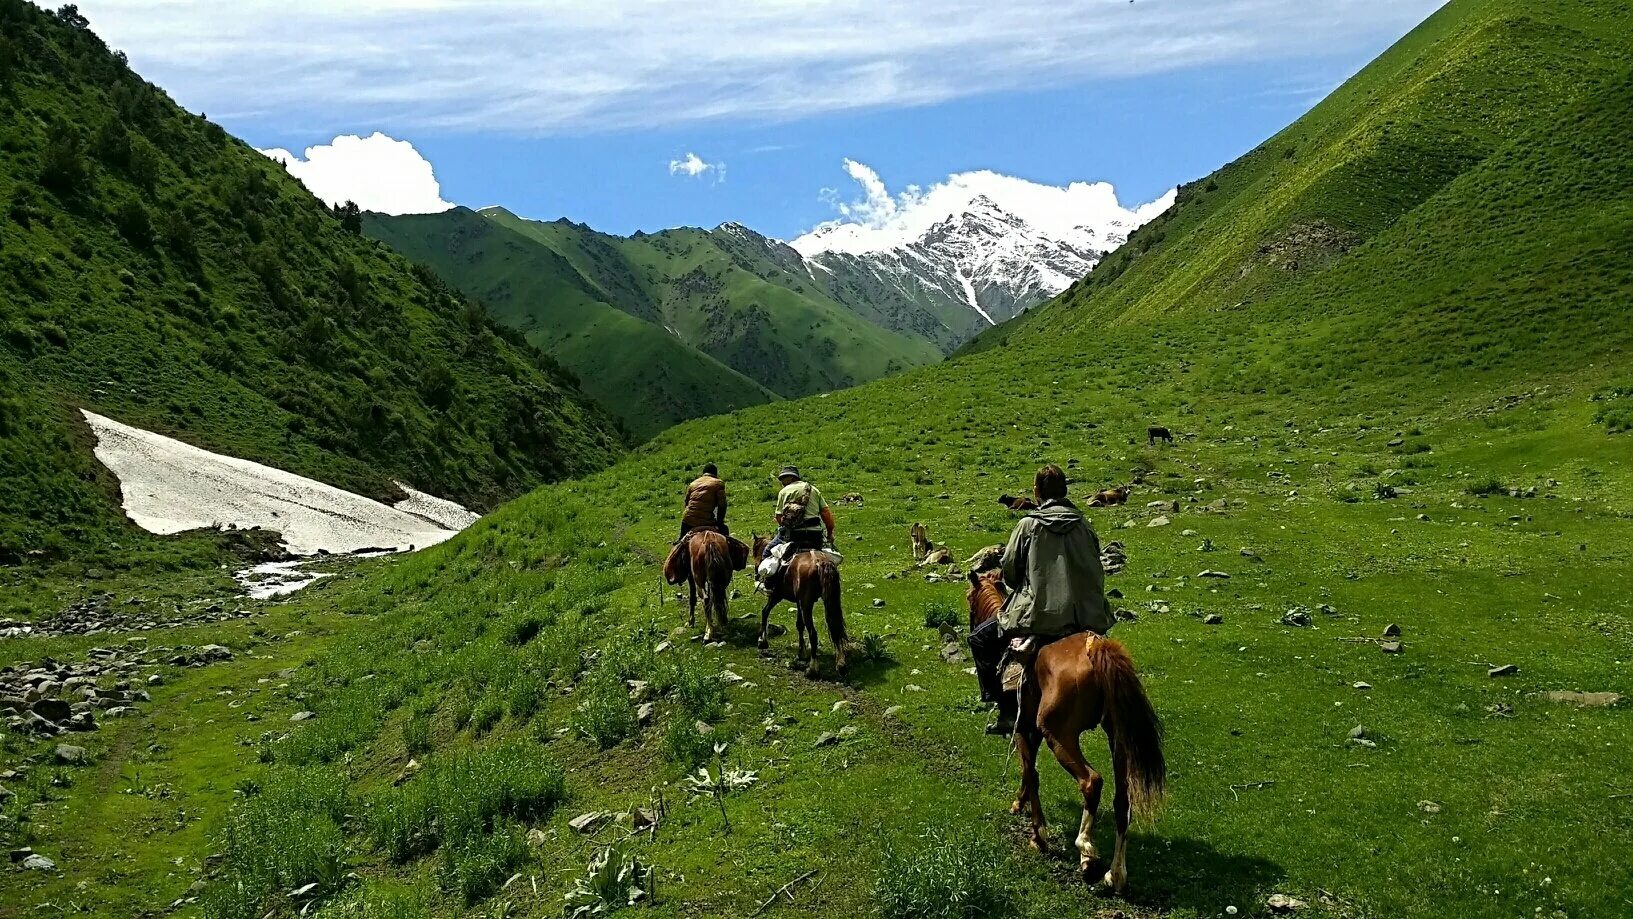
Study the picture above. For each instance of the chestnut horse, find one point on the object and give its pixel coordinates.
(703, 559)
(1078, 682)
(806, 577)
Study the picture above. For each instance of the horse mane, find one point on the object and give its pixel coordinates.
(986, 596)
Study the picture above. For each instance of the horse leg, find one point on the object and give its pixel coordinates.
(807, 615)
(765, 622)
(1068, 750)
(1026, 747)
(1117, 877)
(691, 606)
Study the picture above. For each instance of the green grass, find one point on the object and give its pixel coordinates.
(1478, 318)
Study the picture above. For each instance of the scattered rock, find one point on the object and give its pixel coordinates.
(1357, 732)
(1212, 619)
(52, 709)
(1297, 616)
(1214, 574)
(303, 716)
(704, 728)
(1390, 647)
(893, 711)
(1429, 807)
(1363, 686)
(1159, 522)
(826, 739)
(1503, 670)
(34, 862)
(1282, 903)
(848, 731)
(844, 706)
(588, 822)
(1392, 631)
(68, 754)
(878, 602)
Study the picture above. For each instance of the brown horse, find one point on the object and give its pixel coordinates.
(1078, 682)
(806, 577)
(1106, 497)
(704, 560)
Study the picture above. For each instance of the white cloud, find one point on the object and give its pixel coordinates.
(879, 220)
(550, 66)
(380, 173)
(694, 166)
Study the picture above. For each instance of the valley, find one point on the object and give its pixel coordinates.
(1378, 585)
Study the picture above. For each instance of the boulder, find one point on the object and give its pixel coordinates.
(303, 716)
(52, 709)
(33, 862)
(68, 754)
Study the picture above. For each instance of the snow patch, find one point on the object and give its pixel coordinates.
(169, 487)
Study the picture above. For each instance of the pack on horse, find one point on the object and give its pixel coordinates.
(805, 578)
(704, 559)
(1078, 682)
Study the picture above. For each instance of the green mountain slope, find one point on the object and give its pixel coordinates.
(731, 294)
(630, 364)
(1427, 430)
(156, 270)
(1463, 85)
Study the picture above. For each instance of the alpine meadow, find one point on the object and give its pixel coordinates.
(1368, 387)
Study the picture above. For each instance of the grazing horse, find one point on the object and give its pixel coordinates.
(1155, 433)
(1017, 504)
(1107, 497)
(1078, 682)
(704, 560)
(805, 578)
(920, 538)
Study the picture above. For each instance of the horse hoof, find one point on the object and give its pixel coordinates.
(796, 663)
(1015, 809)
(1114, 884)
(764, 645)
(1039, 845)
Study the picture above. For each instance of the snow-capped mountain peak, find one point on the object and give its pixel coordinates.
(982, 245)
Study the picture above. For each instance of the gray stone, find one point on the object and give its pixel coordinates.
(1159, 522)
(825, 739)
(1392, 631)
(588, 822)
(52, 709)
(70, 754)
(1212, 619)
(1503, 670)
(878, 602)
(1390, 647)
(1282, 903)
(1357, 732)
(644, 712)
(303, 716)
(38, 863)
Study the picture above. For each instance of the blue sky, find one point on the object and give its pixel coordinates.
(554, 109)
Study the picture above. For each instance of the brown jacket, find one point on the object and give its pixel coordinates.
(705, 502)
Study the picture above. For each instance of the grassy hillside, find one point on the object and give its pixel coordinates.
(736, 297)
(1430, 431)
(640, 372)
(156, 270)
(1466, 84)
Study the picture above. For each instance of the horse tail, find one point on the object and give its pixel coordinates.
(1131, 723)
(831, 607)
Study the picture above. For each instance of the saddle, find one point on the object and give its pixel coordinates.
(1022, 652)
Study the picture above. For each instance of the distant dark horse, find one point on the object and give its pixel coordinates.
(807, 577)
(705, 559)
(1078, 682)
(1155, 433)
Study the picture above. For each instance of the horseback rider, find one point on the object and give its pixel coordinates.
(705, 503)
(804, 520)
(1052, 568)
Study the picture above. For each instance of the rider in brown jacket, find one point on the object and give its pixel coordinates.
(705, 503)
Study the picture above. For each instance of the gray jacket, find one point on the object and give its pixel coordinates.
(1052, 564)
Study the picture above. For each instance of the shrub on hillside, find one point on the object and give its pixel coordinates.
(941, 614)
(464, 796)
(604, 713)
(285, 832)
